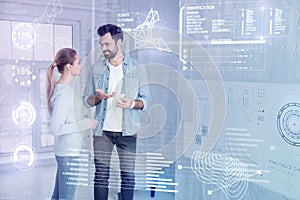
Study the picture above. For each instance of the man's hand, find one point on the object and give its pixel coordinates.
(100, 94)
(124, 103)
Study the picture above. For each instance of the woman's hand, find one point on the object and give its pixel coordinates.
(94, 123)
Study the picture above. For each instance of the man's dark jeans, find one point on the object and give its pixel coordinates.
(103, 147)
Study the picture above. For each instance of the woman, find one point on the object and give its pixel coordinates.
(66, 121)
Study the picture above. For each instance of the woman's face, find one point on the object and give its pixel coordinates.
(76, 67)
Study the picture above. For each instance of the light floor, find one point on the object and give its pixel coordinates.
(37, 184)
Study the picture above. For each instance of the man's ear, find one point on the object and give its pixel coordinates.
(119, 42)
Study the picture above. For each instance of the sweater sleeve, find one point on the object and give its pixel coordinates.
(76, 126)
(89, 88)
(59, 125)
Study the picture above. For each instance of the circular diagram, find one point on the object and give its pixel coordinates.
(24, 115)
(23, 157)
(288, 123)
(23, 35)
(22, 72)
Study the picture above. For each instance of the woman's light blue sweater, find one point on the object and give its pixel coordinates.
(66, 121)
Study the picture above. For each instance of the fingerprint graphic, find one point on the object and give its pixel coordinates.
(226, 173)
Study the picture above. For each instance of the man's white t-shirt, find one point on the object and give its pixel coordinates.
(113, 117)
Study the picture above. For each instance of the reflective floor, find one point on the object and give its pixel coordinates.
(37, 184)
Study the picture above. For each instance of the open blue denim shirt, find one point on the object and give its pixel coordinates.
(134, 86)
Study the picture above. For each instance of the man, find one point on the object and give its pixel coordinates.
(117, 87)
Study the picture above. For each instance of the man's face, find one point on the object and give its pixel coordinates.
(109, 46)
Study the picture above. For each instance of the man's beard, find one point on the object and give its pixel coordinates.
(111, 55)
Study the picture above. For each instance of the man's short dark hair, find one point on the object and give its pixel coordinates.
(115, 31)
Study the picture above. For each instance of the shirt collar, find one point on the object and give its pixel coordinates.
(125, 61)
